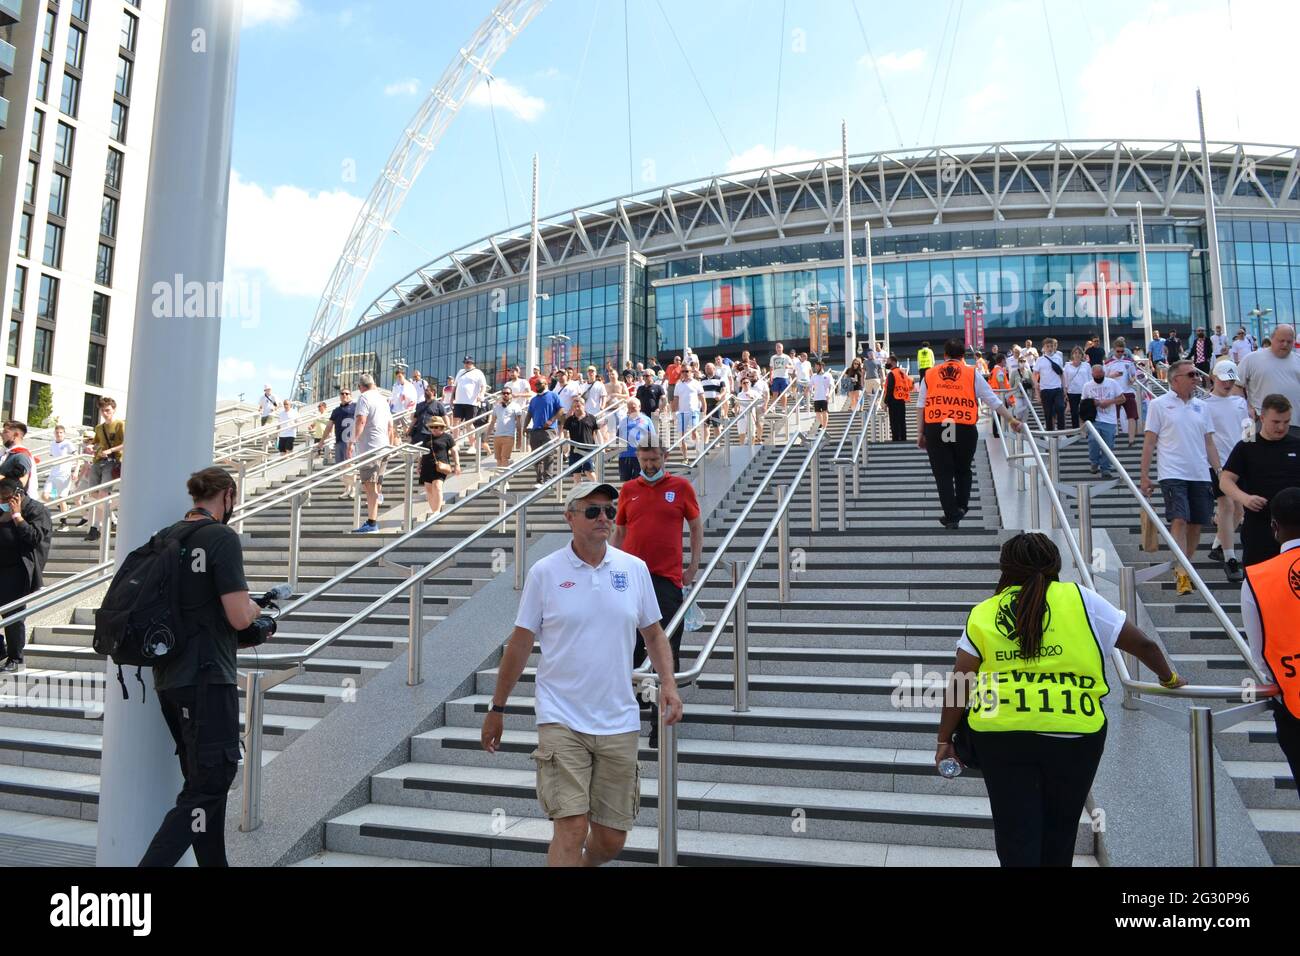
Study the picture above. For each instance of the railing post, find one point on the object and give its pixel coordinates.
(106, 538)
(251, 815)
(1201, 737)
(815, 518)
(559, 469)
(1083, 501)
(600, 465)
(502, 494)
(415, 634)
(358, 496)
(740, 644)
(1128, 604)
(408, 505)
(839, 492)
(311, 457)
(726, 444)
(782, 548)
(521, 546)
(667, 792)
(1053, 470)
(295, 539)
(1020, 467)
(239, 481)
(701, 480)
(1034, 514)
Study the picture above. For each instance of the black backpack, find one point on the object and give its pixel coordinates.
(1088, 410)
(139, 622)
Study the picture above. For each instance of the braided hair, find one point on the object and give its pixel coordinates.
(1031, 561)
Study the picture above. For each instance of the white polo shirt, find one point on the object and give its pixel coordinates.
(1180, 429)
(585, 621)
(594, 397)
(821, 386)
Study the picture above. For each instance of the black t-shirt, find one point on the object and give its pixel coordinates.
(1173, 350)
(440, 447)
(581, 429)
(1095, 355)
(430, 408)
(1264, 468)
(212, 564)
(342, 418)
(649, 396)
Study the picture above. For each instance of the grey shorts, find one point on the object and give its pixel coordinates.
(371, 472)
(1191, 501)
(104, 471)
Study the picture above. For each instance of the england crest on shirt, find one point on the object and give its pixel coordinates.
(619, 579)
(670, 496)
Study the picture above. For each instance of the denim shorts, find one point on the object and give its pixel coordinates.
(1188, 500)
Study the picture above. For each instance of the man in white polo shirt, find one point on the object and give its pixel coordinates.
(583, 605)
(1181, 433)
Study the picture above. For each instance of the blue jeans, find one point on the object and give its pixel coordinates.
(1095, 455)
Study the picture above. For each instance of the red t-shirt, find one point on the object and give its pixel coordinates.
(673, 373)
(652, 516)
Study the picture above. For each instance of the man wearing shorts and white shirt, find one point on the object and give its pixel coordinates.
(781, 365)
(593, 398)
(470, 388)
(403, 395)
(60, 476)
(1121, 367)
(372, 430)
(803, 372)
(1180, 431)
(689, 399)
(583, 605)
(821, 384)
(1230, 416)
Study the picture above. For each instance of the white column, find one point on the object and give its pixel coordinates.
(170, 432)
(888, 348)
(871, 295)
(531, 350)
(850, 293)
(627, 306)
(1147, 320)
(1103, 310)
(686, 329)
(1218, 315)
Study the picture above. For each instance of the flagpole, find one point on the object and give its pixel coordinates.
(850, 296)
(1147, 320)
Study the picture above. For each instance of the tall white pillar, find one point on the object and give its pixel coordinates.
(530, 351)
(1147, 319)
(889, 349)
(1103, 310)
(850, 293)
(1218, 314)
(170, 431)
(627, 306)
(871, 295)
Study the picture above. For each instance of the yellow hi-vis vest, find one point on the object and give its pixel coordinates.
(1060, 691)
(924, 358)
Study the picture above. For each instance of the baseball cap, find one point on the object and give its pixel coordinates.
(266, 388)
(1226, 371)
(578, 492)
(467, 358)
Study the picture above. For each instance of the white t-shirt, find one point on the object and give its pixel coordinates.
(1262, 373)
(402, 397)
(805, 371)
(585, 621)
(1076, 376)
(1240, 349)
(1230, 416)
(1123, 371)
(288, 424)
(1180, 428)
(1106, 620)
(58, 449)
(821, 386)
(759, 389)
(780, 366)
(1047, 377)
(1219, 343)
(470, 386)
(1013, 361)
(689, 396)
(378, 417)
(595, 397)
(567, 394)
(267, 404)
(1107, 388)
(520, 392)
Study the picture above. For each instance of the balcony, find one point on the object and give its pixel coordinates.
(7, 55)
(11, 11)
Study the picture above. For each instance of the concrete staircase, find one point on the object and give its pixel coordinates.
(1200, 650)
(823, 769)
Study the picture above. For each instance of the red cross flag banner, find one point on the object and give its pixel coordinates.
(727, 312)
(1119, 291)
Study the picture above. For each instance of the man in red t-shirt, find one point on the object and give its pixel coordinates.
(651, 509)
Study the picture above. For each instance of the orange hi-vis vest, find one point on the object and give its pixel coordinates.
(902, 385)
(1275, 583)
(1001, 382)
(950, 394)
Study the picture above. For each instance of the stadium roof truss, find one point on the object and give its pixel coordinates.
(958, 184)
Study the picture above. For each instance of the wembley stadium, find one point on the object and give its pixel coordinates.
(1038, 237)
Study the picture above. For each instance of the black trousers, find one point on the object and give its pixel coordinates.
(540, 438)
(1037, 786)
(897, 420)
(628, 468)
(1288, 737)
(669, 596)
(1257, 541)
(204, 722)
(13, 585)
(950, 462)
(1053, 408)
(1074, 398)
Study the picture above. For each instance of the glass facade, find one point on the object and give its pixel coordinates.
(489, 324)
(1260, 261)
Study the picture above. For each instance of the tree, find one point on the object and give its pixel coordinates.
(39, 416)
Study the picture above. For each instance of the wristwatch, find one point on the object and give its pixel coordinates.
(496, 709)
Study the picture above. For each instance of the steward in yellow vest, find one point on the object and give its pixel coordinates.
(924, 358)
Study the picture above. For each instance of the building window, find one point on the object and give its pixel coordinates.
(52, 255)
(71, 96)
(64, 140)
(123, 84)
(134, 3)
(20, 287)
(47, 39)
(7, 403)
(29, 191)
(99, 314)
(25, 235)
(59, 195)
(81, 10)
(104, 265)
(38, 130)
(90, 410)
(15, 335)
(108, 218)
(130, 25)
(43, 351)
(76, 47)
(43, 81)
(34, 395)
(113, 172)
(117, 123)
(95, 365)
(47, 303)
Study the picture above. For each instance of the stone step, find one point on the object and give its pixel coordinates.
(1263, 784)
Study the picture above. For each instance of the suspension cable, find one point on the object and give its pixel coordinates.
(947, 71)
(704, 96)
(568, 113)
(505, 197)
(934, 74)
(780, 61)
(875, 67)
(1056, 68)
(627, 72)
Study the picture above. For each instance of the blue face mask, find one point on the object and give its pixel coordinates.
(652, 478)
(5, 508)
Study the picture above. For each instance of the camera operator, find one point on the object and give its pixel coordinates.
(197, 690)
(25, 533)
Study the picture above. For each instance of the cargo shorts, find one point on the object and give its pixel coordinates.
(580, 774)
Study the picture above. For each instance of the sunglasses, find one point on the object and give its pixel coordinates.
(592, 512)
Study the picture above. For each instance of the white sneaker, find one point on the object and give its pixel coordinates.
(381, 499)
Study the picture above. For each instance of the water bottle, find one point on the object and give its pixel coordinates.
(949, 767)
(280, 592)
(694, 616)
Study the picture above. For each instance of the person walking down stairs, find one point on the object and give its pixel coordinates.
(898, 388)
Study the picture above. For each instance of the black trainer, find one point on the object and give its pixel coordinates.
(1233, 570)
(1216, 554)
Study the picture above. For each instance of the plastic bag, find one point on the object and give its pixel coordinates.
(694, 616)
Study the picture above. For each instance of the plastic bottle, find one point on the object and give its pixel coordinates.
(949, 767)
(694, 616)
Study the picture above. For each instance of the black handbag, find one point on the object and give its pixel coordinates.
(1088, 410)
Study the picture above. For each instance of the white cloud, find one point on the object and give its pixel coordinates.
(761, 155)
(403, 88)
(897, 62)
(504, 95)
(286, 236)
(987, 97)
(276, 374)
(257, 12)
(233, 370)
(1142, 79)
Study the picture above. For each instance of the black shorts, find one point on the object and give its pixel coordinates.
(628, 468)
(286, 444)
(821, 406)
(1214, 485)
(428, 472)
(465, 412)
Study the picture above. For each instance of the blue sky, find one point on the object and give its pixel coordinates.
(327, 86)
